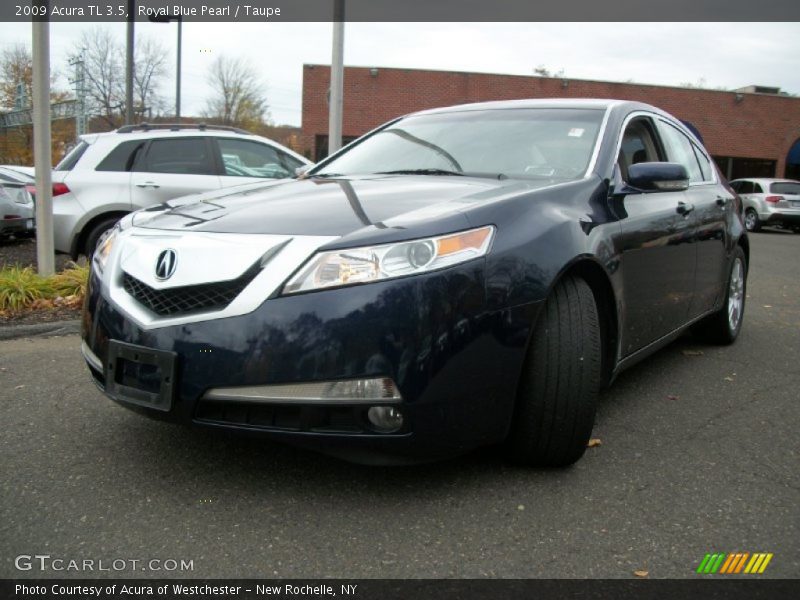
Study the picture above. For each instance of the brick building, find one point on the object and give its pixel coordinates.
(749, 132)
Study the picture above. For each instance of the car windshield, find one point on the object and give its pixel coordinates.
(525, 143)
(791, 188)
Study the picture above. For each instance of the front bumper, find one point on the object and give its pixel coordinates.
(455, 363)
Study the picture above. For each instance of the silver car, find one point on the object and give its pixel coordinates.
(108, 175)
(769, 202)
(16, 210)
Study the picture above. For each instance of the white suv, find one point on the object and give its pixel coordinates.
(108, 175)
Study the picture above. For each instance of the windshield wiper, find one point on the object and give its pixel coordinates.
(420, 172)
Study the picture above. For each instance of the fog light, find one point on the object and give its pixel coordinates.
(385, 419)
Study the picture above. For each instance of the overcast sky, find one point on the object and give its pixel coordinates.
(728, 55)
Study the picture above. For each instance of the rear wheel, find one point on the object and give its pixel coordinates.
(723, 327)
(751, 220)
(95, 232)
(558, 391)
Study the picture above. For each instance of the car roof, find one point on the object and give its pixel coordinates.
(145, 132)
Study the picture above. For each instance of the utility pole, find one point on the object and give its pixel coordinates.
(129, 66)
(178, 74)
(337, 80)
(42, 149)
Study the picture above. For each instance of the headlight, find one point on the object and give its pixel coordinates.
(103, 249)
(375, 263)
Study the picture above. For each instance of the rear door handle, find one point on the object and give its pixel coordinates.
(684, 208)
(723, 201)
(148, 184)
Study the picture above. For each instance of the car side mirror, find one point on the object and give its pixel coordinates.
(300, 171)
(658, 177)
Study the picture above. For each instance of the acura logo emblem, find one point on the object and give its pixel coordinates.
(166, 263)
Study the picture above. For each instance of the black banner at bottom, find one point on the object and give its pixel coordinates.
(395, 589)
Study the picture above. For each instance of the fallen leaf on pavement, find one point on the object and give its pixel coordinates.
(671, 397)
(19, 387)
(693, 353)
(594, 442)
(641, 573)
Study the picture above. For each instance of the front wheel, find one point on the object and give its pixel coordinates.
(558, 391)
(723, 326)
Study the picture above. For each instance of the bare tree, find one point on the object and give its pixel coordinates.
(238, 97)
(151, 59)
(16, 75)
(105, 74)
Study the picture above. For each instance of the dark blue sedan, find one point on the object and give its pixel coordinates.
(458, 277)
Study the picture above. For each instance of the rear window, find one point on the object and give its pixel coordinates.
(785, 187)
(72, 158)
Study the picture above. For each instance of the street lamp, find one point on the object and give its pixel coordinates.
(179, 19)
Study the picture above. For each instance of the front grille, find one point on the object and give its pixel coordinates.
(190, 298)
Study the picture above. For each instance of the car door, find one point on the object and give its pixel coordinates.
(658, 256)
(711, 204)
(173, 167)
(245, 161)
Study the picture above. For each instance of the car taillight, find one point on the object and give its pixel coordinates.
(773, 199)
(60, 188)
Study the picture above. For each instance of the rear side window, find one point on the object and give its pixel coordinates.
(744, 187)
(757, 189)
(122, 157)
(244, 158)
(186, 156)
(72, 157)
(785, 187)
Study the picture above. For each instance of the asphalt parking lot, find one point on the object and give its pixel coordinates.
(699, 454)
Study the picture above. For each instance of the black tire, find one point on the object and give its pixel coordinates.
(95, 232)
(720, 328)
(751, 220)
(558, 391)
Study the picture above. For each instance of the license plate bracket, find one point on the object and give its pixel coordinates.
(140, 375)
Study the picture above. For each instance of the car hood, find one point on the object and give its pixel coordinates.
(329, 207)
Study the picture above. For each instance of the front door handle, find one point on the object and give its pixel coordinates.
(684, 208)
(148, 184)
(721, 202)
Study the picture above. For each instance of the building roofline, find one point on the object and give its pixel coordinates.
(576, 79)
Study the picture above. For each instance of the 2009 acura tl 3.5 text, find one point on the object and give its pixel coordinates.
(457, 277)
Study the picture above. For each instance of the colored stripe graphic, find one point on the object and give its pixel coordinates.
(741, 562)
(727, 564)
(766, 562)
(734, 563)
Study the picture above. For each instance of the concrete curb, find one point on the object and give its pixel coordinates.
(12, 332)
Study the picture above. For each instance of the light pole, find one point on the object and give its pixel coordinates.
(179, 19)
(337, 80)
(129, 66)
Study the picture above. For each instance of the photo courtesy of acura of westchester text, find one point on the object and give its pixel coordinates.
(324, 298)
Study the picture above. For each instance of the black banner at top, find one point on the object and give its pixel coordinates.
(254, 11)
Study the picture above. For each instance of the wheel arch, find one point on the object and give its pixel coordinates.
(80, 240)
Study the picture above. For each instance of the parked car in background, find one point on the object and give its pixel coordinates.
(458, 277)
(16, 174)
(769, 202)
(108, 175)
(16, 210)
